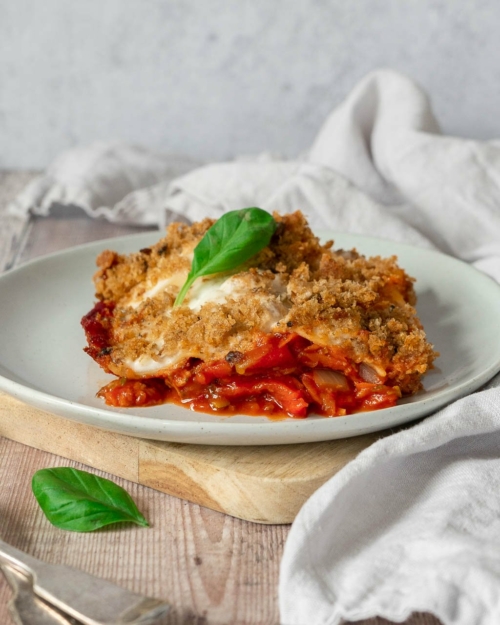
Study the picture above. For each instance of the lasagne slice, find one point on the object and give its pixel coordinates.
(301, 328)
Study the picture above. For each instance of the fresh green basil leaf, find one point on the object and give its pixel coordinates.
(231, 241)
(82, 502)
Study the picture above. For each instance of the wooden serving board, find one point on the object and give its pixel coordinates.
(264, 484)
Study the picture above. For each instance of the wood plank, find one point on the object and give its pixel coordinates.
(263, 484)
(96, 448)
(212, 568)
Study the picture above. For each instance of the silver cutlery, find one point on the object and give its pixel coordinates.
(25, 607)
(88, 599)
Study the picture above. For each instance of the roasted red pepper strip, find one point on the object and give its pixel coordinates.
(283, 390)
(205, 373)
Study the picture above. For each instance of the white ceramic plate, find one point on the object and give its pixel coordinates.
(42, 360)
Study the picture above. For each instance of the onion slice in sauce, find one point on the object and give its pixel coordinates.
(369, 374)
(334, 380)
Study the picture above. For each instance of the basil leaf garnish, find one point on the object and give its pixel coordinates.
(82, 502)
(232, 240)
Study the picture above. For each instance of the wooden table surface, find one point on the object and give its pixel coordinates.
(214, 569)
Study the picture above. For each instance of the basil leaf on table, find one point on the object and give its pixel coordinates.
(232, 240)
(82, 502)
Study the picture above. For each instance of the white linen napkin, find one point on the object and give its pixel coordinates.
(413, 523)
(121, 183)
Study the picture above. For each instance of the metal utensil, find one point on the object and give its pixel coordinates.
(89, 599)
(25, 607)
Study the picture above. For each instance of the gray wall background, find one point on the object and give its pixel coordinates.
(216, 78)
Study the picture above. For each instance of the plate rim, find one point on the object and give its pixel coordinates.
(387, 418)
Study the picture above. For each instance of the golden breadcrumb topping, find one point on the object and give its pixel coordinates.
(362, 306)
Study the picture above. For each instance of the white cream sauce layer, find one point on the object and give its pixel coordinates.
(216, 290)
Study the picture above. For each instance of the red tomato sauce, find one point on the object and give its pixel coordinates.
(285, 376)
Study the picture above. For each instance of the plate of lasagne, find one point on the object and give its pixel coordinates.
(307, 340)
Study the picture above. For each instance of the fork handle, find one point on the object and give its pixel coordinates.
(14, 557)
(92, 600)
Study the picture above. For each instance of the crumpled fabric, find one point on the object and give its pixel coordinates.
(122, 183)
